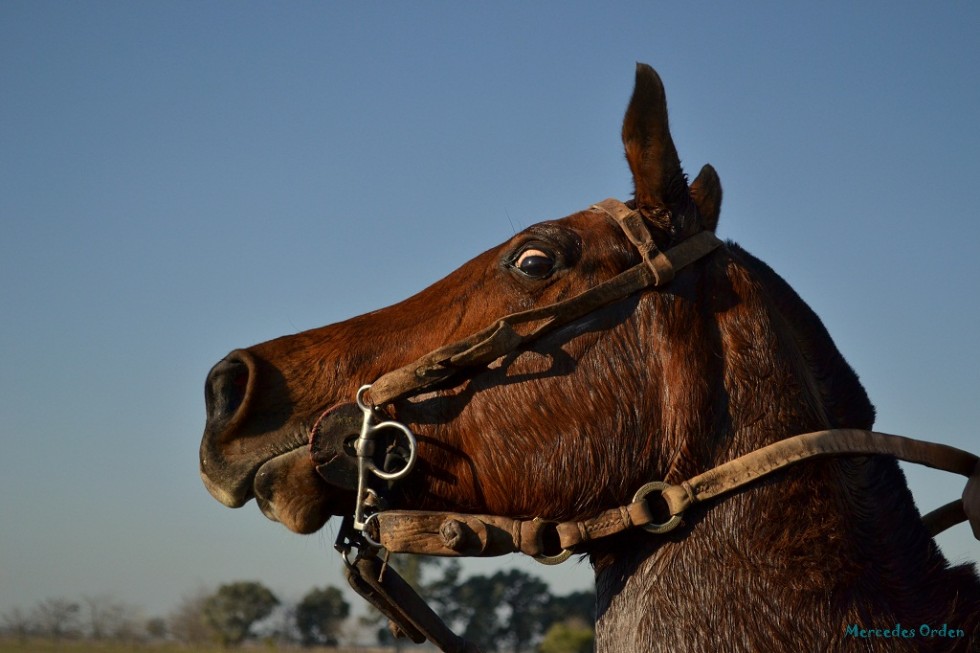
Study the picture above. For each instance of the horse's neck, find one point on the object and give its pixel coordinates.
(787, 565)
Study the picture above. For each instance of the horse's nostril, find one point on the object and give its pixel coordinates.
(226, 389)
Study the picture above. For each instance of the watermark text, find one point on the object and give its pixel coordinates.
(898, 631)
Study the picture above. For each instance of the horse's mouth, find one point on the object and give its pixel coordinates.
(285, 486)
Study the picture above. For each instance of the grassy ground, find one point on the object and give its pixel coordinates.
(42, 646)
(47, 646)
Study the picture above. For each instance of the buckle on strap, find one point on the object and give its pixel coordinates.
(663, 265)
(631, 222)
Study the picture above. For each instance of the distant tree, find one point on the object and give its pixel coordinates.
(187, 623)
(17, 624)
(469, 607)
(443, 591)
(505, 609)
(353, 634)
(570, 636)
(319, 616)
(235, 608)
(57, 618)
(107, 618)
(508, 610)
(574, 606)
(280, 628)
(525, 600)
(156, 628)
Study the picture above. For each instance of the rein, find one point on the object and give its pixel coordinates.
(372, 528)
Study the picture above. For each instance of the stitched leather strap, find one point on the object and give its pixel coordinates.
(453, 534)
(517, 329)
(750, 467)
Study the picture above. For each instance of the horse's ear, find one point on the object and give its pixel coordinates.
(660, 187)
(706, 193)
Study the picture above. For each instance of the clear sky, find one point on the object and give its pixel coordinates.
(181, 178)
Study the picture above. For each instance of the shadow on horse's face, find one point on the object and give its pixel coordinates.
(532, 416)
(569, 425)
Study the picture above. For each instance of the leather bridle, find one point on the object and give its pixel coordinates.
(510, 332)
(372, 528)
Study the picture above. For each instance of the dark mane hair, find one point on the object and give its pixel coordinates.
(845, 400)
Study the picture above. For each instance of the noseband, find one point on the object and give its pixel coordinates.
(372, 527)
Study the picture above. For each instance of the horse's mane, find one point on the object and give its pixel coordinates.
(845, 400)
(876, 492)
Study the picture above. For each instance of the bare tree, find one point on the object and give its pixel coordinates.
(57, 618)
(187, 623)
(17, 624)
(107, 618)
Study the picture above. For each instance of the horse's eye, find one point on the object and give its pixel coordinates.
(535, 263)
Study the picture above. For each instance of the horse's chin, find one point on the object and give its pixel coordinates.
(288, 490)
(285, 487)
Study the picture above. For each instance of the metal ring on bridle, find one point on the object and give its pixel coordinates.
(412, 451)
(366, 536)
(368, 429)
(364, 449)
(556, 559)
(656, 486)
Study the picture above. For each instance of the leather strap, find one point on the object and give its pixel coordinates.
(454, 534)
(409, 615)
(750, 467)
(517, 329)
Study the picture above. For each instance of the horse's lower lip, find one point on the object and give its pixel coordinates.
(288, 490)
(263, 482)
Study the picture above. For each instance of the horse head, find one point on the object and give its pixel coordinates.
(660, 384)
(595, 395)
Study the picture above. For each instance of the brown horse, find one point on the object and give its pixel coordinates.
(662, 384)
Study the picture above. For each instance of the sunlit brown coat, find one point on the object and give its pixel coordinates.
(663, 385)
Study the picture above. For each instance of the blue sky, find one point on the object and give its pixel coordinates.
(181, 178)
